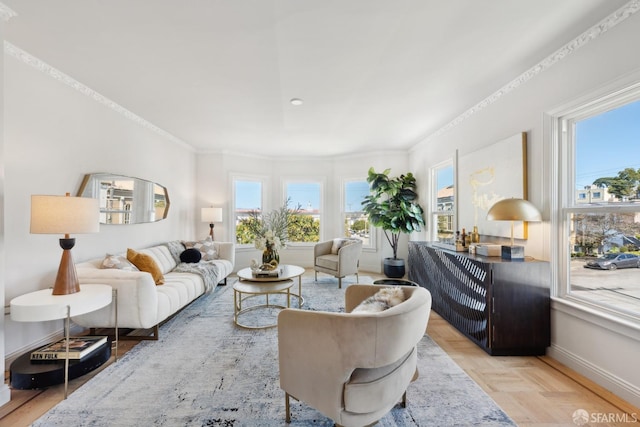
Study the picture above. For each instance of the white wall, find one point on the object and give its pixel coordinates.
(575, 341)
(214, 187)
(54, 135)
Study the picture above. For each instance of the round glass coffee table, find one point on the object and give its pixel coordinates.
(287, 271)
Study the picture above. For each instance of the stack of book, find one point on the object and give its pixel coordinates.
(79, 348)
(266, 273)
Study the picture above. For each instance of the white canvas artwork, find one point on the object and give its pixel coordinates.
(487, 176)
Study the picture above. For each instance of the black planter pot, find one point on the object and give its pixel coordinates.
(394, 268)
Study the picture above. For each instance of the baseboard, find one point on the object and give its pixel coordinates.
(54, 336)
(603, 378)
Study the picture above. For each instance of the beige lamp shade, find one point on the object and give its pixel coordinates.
(64, 215)
(211, 214)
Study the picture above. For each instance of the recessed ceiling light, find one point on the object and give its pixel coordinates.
(296, 101)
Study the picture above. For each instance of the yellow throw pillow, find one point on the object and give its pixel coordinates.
(146, 263)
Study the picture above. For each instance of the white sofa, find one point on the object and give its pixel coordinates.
(141, 303)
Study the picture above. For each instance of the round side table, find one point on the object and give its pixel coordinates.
(40, 306)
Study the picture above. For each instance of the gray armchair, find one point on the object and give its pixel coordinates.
(338, 257)
(356, 366)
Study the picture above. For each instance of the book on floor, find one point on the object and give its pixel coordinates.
(79, 347)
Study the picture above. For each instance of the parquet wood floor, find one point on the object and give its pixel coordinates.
(534, 391)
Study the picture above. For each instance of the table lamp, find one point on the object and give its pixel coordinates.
(513, 210)
(65, 215)
(211, 215)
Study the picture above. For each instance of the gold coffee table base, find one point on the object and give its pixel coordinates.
(253, 289)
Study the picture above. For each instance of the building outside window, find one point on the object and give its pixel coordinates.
(598, 147)
(444, 215)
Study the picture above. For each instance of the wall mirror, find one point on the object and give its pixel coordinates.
(124, 199)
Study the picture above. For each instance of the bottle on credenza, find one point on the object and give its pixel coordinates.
(475, 236)
(463, 237)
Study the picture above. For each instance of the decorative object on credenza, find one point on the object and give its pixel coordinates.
(392, 206)
(211, 215)
(64, 215)
(513, 210)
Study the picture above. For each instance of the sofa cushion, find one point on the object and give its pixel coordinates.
(145, 262)
(191, 255)
(206, 247)
(118, 262)
(367, 387)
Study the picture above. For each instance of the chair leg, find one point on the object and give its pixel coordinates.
(357, 278)
(404, 399)
(339, 282)
(316, 274)
(287, 417)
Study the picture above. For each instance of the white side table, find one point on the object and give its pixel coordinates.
(42, 306)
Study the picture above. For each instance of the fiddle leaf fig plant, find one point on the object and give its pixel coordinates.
(392, 206)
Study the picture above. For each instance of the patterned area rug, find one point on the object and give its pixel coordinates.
(205, 371)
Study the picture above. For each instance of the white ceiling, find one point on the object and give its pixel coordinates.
(373, 74)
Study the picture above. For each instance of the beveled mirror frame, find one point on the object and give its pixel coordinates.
(125, 199)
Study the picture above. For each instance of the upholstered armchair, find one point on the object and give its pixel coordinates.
(338, 257)
(352, 367)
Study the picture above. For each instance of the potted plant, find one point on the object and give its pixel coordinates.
(392, 206)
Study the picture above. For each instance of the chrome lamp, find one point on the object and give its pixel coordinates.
(513, 210)
(211, 215)
(65, 215)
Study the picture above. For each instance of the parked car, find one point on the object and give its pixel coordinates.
(614, 261)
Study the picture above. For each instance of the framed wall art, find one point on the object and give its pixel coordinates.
(488, 175)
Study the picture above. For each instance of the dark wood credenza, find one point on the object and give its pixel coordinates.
(501, 305)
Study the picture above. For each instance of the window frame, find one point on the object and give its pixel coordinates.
(306, 180)
(560, 129)
(371, 246)
(263, 180)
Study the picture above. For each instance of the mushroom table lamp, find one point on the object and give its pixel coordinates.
(513, 210)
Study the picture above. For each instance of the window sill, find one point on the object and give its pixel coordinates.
(617, 322)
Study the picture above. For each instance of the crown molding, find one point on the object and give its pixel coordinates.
(592, 33)
(6, 13)
(65, 79)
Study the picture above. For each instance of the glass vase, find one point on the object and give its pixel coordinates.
(270, 254)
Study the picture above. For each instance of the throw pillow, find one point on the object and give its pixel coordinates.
(144, 262)
(339, 243)
(191, 255)
(206, 248)
(118, 262)
(383, 299)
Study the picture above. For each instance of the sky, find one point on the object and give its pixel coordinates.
(307, 194)
(607, 144)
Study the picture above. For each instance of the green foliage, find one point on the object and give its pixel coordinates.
(246, 230)
(391, 205)
(626, 184)
(303, 228)
(359, 226)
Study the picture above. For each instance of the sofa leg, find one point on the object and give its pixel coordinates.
(287, 408)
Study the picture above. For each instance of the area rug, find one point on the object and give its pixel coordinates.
(206, 371)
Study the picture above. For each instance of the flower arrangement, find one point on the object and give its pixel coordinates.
(270, 230)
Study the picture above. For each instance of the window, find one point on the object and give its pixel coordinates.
(599, 202)
(305, 226)
(247, 197)
(444, 214)
(356, 222)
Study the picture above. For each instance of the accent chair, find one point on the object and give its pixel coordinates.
(339, 257)
(352, 367)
